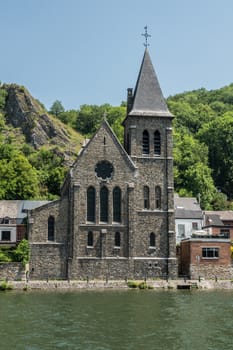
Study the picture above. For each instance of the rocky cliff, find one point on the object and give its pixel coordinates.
(39, 128)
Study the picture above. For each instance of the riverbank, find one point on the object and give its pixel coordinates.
(114, 285)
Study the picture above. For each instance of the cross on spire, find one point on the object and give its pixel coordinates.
(146, 35)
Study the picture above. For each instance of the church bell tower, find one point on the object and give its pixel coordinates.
(148, 141)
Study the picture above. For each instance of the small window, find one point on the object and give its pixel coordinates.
(90, 239)
(51, 224)
(225, 233)
(145, 142)
(157, 143)
(194, 225)
(210, 253)
(152, 239)
(104, 204)
(146, 197)
(6, 221)
(157, 197)
(6, 235)
(117, 239)
(181, 230)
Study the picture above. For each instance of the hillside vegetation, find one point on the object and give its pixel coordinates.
(36, 147)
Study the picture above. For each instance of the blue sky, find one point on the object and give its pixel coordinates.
(90, 51)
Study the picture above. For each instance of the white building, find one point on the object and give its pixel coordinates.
(188, 217)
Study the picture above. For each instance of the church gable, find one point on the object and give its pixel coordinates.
(103, 153)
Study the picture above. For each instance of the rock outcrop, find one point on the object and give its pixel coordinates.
(24, 112)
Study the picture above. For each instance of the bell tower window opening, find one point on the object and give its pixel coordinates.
(157, 143)
(104, 204)
(146, 197)
(157, 197)
(152, 239)
(145, 142)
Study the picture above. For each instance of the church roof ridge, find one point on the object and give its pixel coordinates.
(117, 142)
(148, 97)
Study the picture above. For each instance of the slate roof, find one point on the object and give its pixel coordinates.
(213, 220)
(188, 203)
(187, 208)
(225, 215)
(188, 214)
(16, 209)
(148, 98)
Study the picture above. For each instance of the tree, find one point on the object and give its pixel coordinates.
(217, 135)
(56, 108)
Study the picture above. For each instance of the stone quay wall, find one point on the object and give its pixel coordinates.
(13, 271)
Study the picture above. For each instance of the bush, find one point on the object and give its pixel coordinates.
(21, 253)
(5, 286)
(132, 284)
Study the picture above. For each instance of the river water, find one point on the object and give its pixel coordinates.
(111, 320)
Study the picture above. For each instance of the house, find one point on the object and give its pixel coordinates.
(13, 220)
(205, 256)
(115, 217)
(219, 223)
(188, 217)
(208, 252)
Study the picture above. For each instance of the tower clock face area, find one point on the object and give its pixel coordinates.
(104, 170)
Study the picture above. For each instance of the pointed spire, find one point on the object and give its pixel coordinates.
(148, 98)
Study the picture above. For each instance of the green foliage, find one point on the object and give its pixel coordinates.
(50, 169)
(218, 136)
(56, 108)
(203, 140)
(138, 284)
(21, 253)
(5, 286)
(132, 284)
(18, 179)
(142, 285)
(68, 117)
(89, 118)
(4, 256)
(3, 95)
(18, 254)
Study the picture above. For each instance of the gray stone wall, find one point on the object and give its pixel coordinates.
(47, 261)
(211, 272)
(12, 271)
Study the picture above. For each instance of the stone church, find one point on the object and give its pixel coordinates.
(115, 217)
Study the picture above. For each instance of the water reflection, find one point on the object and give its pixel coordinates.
(117, 320)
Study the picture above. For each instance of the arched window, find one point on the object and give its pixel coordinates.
(91, 204)
(157, 197)
(51, 226)
(157, 143)
(104, 204)
(117, 204)
(146, 197)
(145, 142)
(152, 239)
(117, 239)
(90, 239)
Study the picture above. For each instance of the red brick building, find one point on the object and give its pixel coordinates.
(206, 257)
